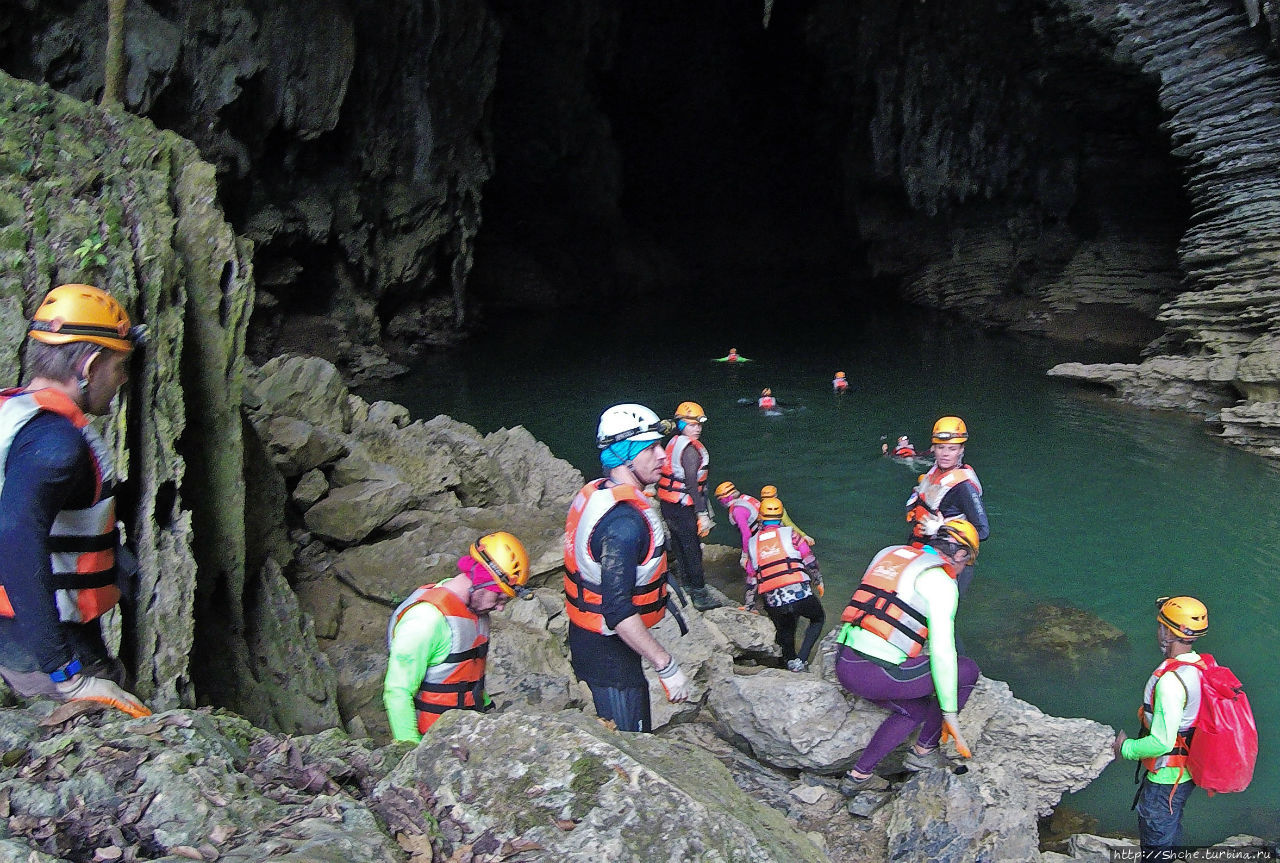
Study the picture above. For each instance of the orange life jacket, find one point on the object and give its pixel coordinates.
(583, 601)
(82, 542)
(933, 487)
(1189, 676)
(673, 485)
(777, 560)
(887, 603)
(457, 681)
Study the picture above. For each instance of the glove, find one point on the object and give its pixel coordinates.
(705, 523)
(928, 524)
(809, 540)
(951, 728)
(674, 683)
(82, 687)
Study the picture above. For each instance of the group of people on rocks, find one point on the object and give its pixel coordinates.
(64, 567)
(896, 646)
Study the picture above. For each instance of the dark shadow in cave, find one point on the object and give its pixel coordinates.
(689, 150)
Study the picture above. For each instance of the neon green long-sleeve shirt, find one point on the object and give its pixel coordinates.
(786, 520)
(421, 640)
(1170, 700)
(939, 590)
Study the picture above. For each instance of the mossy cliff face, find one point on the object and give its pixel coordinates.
(100, 197)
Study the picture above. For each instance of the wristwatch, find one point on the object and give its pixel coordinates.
(66, 672)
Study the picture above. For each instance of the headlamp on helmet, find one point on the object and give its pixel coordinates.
(950, 430)
(691, 412)
(630, 422)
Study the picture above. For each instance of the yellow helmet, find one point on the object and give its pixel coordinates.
(839, 374)
(768, 491)
(962, 533)
(1184, 616)
(83, 313)
(771, 508)
(950, 430)
(726, 489)
(691, 411)
(766, 392)
(505, 559)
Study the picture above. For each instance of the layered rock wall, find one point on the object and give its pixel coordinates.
(1041, 201)
(1218, 84)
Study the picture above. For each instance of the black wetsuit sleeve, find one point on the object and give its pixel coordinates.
(48, 469)
(619, 542)
(964, 498)
(691, 461)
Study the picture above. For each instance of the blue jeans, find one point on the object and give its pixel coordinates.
(1160, 817)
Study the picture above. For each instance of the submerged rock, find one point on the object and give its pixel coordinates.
(1070, 634)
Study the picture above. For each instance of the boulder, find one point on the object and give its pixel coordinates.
(753, 636)
(310, 488)
(296, 446)
(578, 791)
(352, 512)
(793, 721)
(305, 388)
(538, 477)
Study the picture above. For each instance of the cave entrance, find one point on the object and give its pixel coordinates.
(843, 153)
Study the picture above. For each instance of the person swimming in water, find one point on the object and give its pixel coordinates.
(840, 383)
(767, 402)
(732, 357)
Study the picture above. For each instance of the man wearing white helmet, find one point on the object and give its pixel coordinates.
(616, 564)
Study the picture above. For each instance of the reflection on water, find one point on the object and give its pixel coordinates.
(1093, 505)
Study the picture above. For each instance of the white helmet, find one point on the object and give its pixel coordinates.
(628, 422)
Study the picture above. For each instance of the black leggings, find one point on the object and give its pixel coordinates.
(683, 525)
(785, 620)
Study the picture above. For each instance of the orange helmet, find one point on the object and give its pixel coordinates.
(691, 412)
(1184, 616)
(768, 491)
(771, 508)
(839, 374)
(505, 559)
(726, 489)
(962, 533)
(950, 430)
(766, 392)
(83, 313)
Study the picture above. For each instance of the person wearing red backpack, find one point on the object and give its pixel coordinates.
(1170, 705)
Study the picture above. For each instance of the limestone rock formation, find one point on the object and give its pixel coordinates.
(1221, 331)
(387, 505)
(354, 128)
(104, 197)
(581, 792)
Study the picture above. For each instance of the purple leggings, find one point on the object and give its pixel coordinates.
(906, 691)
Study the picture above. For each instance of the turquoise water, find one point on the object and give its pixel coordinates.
(1093, 504)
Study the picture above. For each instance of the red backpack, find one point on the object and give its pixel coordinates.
(1224, 746)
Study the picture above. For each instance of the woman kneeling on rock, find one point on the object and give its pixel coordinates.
(908, 598)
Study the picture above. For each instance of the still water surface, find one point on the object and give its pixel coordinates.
(1093, 504)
